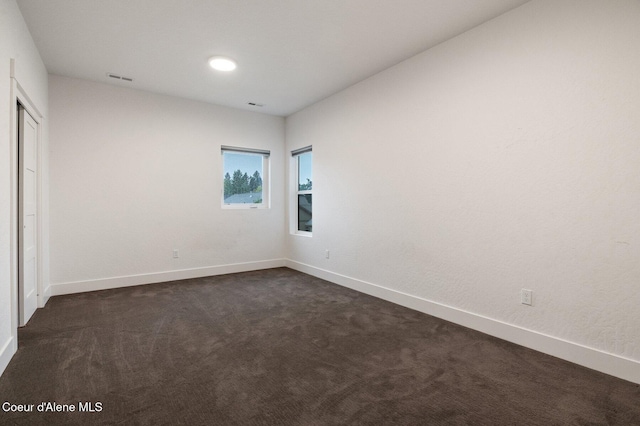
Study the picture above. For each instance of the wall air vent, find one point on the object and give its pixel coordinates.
(255, 104)
(119, 77)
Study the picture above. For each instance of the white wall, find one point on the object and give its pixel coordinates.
(16, 43)
(135, 175)
(505, 158)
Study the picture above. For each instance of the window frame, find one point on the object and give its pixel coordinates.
(265, 176)
(295, 163)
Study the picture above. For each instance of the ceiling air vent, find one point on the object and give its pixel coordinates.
(119, 77)
(255, 104)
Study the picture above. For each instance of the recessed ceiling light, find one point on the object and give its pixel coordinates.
(221, 63)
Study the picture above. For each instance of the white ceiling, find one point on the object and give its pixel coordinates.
(290, 53)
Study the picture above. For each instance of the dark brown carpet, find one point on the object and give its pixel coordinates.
(278, 347)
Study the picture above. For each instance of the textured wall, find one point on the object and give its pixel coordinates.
(16, 43)
(135, 175)
(502, 159)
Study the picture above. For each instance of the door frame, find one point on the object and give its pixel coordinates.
(19, 95)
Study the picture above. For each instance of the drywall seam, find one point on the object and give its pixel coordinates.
(6, 353)
(158, 277)
(607, 363)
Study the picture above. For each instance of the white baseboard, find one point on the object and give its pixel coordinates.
(6, 353)
(47, 295)
(181, 274)
(595, 359)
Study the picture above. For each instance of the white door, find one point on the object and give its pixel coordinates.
(27, 232)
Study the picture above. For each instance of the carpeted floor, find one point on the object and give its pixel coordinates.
(278, 347)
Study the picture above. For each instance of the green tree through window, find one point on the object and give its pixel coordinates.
(241, 183)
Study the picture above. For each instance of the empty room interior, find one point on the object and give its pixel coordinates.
(320, 212)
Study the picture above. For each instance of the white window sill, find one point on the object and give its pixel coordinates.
(302, 234)
(244, 207)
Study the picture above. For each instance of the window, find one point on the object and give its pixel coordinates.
(245, 175)
(304, 188)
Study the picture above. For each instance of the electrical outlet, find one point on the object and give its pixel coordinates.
(175, 253)
(526, 297)
(327, 254)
